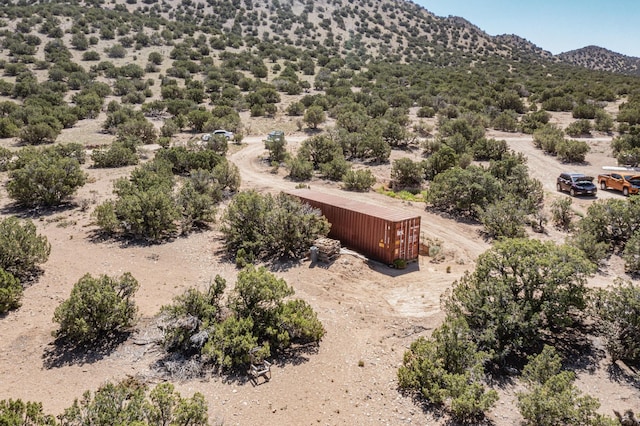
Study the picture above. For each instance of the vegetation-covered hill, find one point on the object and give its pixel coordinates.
(598, 58)
(362, 30)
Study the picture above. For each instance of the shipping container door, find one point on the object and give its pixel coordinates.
(413, 242)
(408, 239)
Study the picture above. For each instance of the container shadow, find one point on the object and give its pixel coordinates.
(391, 271)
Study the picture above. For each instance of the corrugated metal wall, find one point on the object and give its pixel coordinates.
(382, 234)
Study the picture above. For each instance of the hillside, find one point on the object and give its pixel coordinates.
(370, 30)
(392, 29)
(598, 58)
(104, 105)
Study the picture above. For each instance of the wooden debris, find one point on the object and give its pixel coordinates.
(328, 249)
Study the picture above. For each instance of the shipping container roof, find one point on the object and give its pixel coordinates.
(385, 213)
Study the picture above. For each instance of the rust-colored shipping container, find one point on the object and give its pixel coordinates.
(380, 233)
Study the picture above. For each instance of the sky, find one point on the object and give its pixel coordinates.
(554, 25)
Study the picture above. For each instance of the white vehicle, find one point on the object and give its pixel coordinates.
(227, 134)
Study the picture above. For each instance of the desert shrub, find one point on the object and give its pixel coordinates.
(297, 323)
(552, 398)
(625, 142)
(197, 203)
(97, 309)
(21, 248)
(629, 158)
(631, 254)
(218, 144)
(561, 213)
(155, 58)
(127, 402)
(610, 222)
(572, 151)
(584, 111)
(547, 138)
(118, 154)
(463, 191)
(276, 145)
(406, 173)
(444, 158)
(617, 310)
(594, 250)
(506, 121)
(5, 158)
(336, 168)
(231, 343)
(314, 116)
(295, 109)
(197, 118)
(270, 227)
(467, 128)
(255, 316)
(116, 51)
(512, 172)
(139, 129)
(358, 180)
(558, 103)
(191, 313)
(447, 370)
(256, 293)
(394, 133)
(300, 169)
(17, 412)
(169, 128)
(10, 292)
(426, 112)
(118, 115)
(509, 100)
(40, 133)
(258, 297)
(319, 150)
(532, 121)
(91, 55)
(141, 213)
(603, 122)
(87, 104)
(227, 176)
(504, 218)
(8, 128)
(579, 128)
(45, 177)
(183, 160)
(535, 287)
(145, 206)
(489, 149)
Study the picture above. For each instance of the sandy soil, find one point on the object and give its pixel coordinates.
(371, 313)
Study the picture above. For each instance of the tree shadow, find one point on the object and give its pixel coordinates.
(284, 264)
(460, 218)
(625, 373)
(440, 413)
(577, 348)
(312, 131)
(176, 366)
(98, 236)
(296, 355)
(502, 375)
(390, 271)
(22, 212)
(63, 352)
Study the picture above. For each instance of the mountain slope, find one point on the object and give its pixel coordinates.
(601, 59)
(394, 29)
